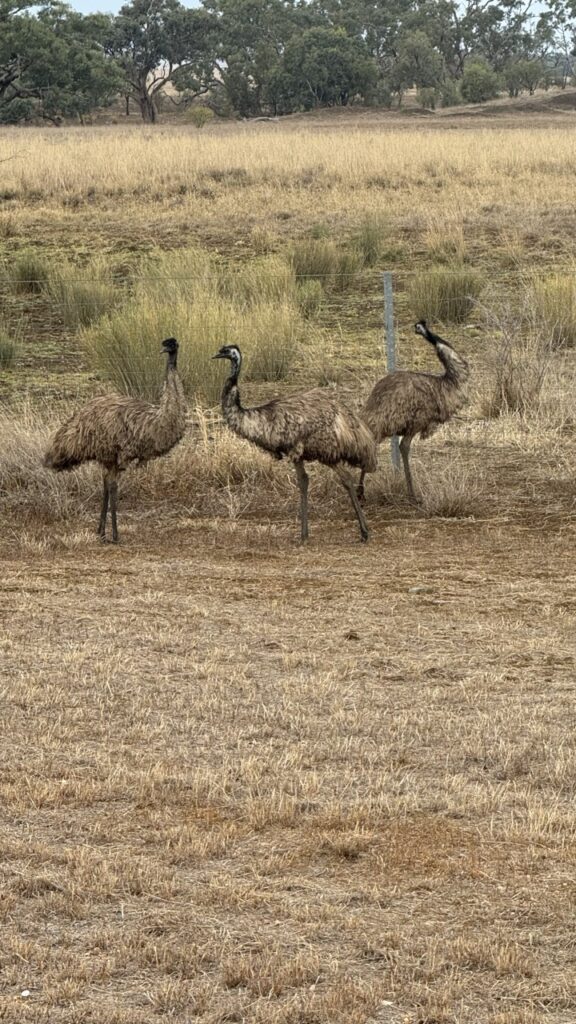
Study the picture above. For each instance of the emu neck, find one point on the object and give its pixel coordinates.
(455, 367)
(173, 392)
(231, 406)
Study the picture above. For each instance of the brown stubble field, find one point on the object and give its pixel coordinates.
(244, 780)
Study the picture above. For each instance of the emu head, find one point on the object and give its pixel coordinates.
(170, 345)
(231, 352)
(422, 328)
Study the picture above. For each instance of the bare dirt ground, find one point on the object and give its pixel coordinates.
(244, 780)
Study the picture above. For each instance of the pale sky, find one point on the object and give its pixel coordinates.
(111, 6)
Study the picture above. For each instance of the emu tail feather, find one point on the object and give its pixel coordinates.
(59, 461)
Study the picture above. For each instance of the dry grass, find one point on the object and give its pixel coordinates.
(244, 780)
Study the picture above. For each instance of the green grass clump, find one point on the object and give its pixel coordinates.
(9, 345)
(310, 296)
(369, 241)
(554, 308)
(27, 272)
(265, 279)
(188, 295)
(447, 293)
(322, 260)
(83, 294)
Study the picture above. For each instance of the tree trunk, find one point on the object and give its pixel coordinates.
(146, 101)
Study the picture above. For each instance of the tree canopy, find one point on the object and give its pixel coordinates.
(256, 57)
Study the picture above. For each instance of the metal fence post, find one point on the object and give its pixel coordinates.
(390, 349)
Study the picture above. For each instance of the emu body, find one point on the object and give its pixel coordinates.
(308, 427)
(116, 430)
(410, 403)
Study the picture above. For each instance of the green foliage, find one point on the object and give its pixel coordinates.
(52, 65)
(200, 116)
(417, 63)
(479, 83)
(523, 75)
(449, 93)
(325, 67)
(447, 294)
(145, 37)
(428, 97)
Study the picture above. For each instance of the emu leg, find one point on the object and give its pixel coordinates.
(348, 485)
(105, 497)
(114, 506)
(360, 488)
(405, 453)
(303, 486)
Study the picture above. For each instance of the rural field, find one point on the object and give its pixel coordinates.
(245, 779)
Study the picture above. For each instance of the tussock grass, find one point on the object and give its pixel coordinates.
(9, 346)
(83, 294)
(554, 306)
(322, 259)
(190, 296)
(27, 271)
(448, 294)
(518, 360)
(370, 238)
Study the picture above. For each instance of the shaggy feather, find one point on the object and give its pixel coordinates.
(116, 430)
(409, 403)
(309, 427)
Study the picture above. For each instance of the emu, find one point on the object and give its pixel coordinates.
(408, 402)
(308, 427)
(116, 430)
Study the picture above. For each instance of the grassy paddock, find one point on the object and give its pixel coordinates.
(241, 779)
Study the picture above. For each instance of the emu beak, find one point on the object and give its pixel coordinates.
(218, 356)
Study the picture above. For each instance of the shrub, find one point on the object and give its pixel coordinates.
(447, 294)
(428, 97)
(449, 94)
(200, 116)
(479, 83)
(83, 294)
(554, 304)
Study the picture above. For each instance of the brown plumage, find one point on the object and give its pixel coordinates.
(116, 430)
(407, 403)
(309, 427)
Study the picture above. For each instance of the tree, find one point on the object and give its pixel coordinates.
(325, 67)
(523, 74)
(252, 38)
(159, 41)
(52, 63)
(479, 83)
(417, 63)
